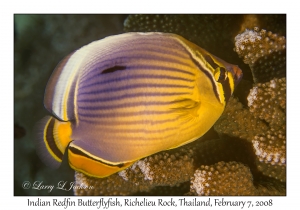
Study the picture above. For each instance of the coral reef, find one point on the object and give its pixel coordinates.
(248, 143)
(168, 168)
(264, 51)
(268, 143)
(236, 118)
(267, 101)
(220, 179)
(171, 172)
(263, 122)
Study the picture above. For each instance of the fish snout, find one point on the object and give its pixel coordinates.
(237, 74)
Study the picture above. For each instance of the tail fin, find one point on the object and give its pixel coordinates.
(51, 140)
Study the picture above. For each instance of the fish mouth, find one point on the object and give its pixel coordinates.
(237, 74)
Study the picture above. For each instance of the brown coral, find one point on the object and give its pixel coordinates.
(267, 101)
(220, 179)
(169, 172)
(168, 168)
(264, 51)
(268, 143)
(239, 122)
(264, 123)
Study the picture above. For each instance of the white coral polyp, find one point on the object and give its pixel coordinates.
(145, 168)
(123, 174)
(246, 36)
(273, 84)
(267, 155)
(252, 96)
(198, 184)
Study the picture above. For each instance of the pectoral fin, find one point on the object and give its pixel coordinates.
(186, 108)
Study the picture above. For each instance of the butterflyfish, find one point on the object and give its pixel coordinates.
(125, 97)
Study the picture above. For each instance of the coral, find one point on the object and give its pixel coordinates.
(239, 122)
(263, 122)
(264, 51)
(220, 179)
(267, 101)
(172, 172)
(268, 142)
(270, 147)
(272, 22)
(168, 168)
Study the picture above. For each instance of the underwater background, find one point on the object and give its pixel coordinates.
(243, 154)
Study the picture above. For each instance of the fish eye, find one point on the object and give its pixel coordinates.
(220, 74)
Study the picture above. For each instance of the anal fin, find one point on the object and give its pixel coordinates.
(81, 159)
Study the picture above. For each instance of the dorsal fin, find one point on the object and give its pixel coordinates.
(61, 88)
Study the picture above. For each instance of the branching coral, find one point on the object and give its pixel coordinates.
(267, 101)
(263, 123)
(170, 173)
(264, 51)
(220, 179)
(239, 122)
(168, 168)
(268, 144)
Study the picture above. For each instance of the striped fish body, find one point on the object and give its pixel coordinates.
(128, 96)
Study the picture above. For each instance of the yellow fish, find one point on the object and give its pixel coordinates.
(125, 97)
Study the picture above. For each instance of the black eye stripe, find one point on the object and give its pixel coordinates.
(211, 61)
(227, 89)
(222, 76)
